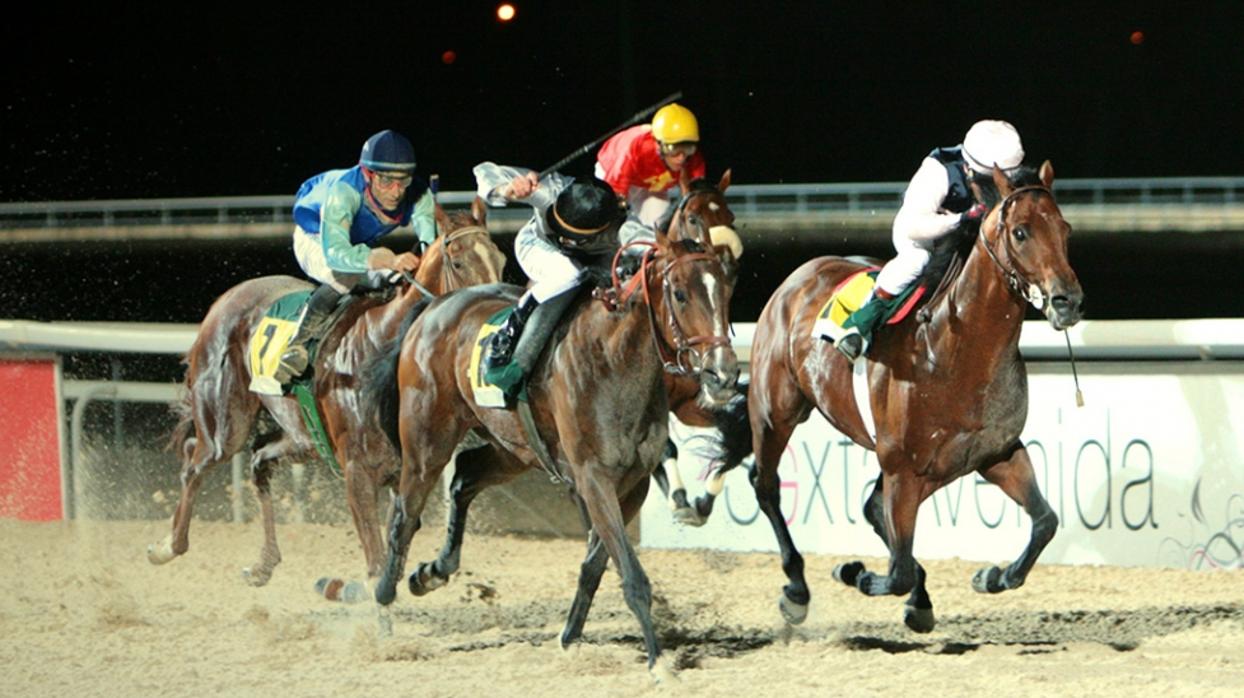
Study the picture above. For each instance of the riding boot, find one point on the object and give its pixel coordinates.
(863, 323)
(506, 338)
(312, 324)
(544, 320)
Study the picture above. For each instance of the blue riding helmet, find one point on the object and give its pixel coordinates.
(388, 151)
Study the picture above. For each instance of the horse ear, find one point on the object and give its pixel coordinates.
(724, 184)
(442, 220)
(684, 181)
(1001, 182)
(479, 211)
(1046, 173)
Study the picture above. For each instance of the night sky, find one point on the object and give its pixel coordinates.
(172, 102)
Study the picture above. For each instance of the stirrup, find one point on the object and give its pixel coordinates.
(851, 345)
(501, 350)
(294, 361)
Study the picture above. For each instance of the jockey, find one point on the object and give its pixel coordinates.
(339, 215)
(643, 163)
(937, 201)
(573, 221)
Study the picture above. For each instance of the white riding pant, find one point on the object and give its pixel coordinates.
(646, 206)
(905, 268)
(309, 252)
(550, 271)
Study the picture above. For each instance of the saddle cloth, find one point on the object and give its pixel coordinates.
(269, 340)
(486, 394)
(849, 296)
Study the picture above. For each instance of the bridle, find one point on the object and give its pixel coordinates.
(673, 358)
(450, 277)
(1019, 284)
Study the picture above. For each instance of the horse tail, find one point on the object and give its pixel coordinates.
(735, 427)
(379, 373)
(181, 441)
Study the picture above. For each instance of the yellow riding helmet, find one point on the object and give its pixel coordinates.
(674, 123)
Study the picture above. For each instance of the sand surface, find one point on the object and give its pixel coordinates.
(85, 614)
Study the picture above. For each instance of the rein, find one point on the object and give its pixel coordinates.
(1025, 288)
(672, 357)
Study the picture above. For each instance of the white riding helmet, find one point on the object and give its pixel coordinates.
(991, 142)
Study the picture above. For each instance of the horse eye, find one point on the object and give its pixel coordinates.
(457, 264)
(1020, 234)
(680, 296)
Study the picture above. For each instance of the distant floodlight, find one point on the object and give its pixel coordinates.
(505, 12)
(1138, 38)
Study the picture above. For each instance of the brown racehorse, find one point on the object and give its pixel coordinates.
(598, 400)
(947, 386)
(220, 413)
(701, 216)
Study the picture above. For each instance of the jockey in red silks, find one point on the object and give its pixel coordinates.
(644, 162)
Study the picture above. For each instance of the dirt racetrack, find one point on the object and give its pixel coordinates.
(84, 614)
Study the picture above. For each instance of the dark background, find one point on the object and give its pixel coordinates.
(157, 101)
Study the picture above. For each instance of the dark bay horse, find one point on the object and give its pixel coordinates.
(947, 386)
(220, 415)
(701, 216)
(598, 399)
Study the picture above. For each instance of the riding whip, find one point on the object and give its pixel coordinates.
(1071, 355)
(582, 150)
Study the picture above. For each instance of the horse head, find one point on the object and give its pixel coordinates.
(463, 254)
(1025, 235)
(703, 215)
(690, 314)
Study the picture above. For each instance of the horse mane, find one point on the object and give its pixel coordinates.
(951, 250)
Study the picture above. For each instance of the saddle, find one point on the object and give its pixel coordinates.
(849, 295)
(272, 335)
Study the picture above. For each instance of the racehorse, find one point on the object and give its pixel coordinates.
(220, 414)
(702, 216)
(947, 386)
(598, 401)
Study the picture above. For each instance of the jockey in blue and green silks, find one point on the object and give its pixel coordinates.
(339, 217)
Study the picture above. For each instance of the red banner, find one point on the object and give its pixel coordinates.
(30, 458)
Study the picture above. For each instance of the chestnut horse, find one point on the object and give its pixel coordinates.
(220, 413)
(598, 401)
(701, 216)
(947, 386)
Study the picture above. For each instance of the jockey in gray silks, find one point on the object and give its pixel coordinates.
(573, 219)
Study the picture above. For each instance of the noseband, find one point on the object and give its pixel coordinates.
(673, 358)
(1025, 288)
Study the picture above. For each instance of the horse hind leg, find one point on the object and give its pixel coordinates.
(670, 481)
(474, 471)
(772, 441)
(918, 611)
(1016, 478)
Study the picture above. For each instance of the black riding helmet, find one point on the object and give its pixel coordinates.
(586, 217)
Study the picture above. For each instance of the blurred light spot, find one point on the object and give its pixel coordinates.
(505, 12)
(1138, 38)
(448, 57)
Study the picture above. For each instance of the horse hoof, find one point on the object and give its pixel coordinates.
(688, 516)
(792, 612)
(849, 573)
(424, 580)
(566, 639)
(162, 552)
(662, 671)
(988, 580)
(920, 620)
(385, 591)
(255, 576)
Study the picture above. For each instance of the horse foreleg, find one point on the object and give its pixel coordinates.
(901, 496)
(403, 523)
(474, 471)
(593, 568)
(361, 498)
(602, 501)
(670, 481)
(918, 611)
(259, 573)
(1016, 478)
(795, 595)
